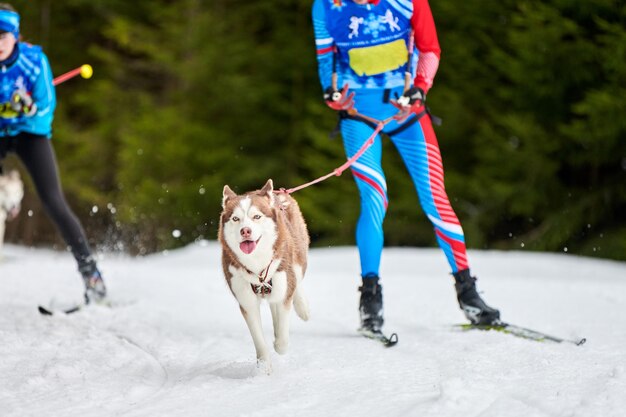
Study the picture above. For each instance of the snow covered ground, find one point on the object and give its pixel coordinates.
(176, 344)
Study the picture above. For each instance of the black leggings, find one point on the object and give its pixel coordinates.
(38, 156)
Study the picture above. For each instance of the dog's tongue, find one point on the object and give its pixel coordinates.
(247, 246)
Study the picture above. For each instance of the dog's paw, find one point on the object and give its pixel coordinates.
(302, 308)
(264, 366)
(281, 346)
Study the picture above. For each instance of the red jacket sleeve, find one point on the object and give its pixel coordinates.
(426, 43)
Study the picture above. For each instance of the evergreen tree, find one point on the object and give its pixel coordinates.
(189, 96)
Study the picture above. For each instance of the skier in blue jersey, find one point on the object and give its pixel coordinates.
(374, 58)
(27, 103)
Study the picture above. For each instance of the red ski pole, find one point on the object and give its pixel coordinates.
(85, 71)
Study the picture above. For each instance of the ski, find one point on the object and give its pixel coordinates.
(390, 341)
(519, 331)
(49, 311)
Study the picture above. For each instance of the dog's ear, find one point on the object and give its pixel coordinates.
(268, 189)
(226, 194)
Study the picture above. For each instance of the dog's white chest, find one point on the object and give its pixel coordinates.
(270, 284)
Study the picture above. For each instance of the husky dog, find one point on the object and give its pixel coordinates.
(264, 255)
(11, 194)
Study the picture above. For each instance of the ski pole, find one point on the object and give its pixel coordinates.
(85, 71)
(408, 74)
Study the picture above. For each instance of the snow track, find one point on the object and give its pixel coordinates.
(181, 348)
(70, 367)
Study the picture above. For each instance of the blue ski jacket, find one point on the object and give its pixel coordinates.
(27, 68)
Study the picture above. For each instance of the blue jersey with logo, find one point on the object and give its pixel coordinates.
(366, 45)
(27, 69)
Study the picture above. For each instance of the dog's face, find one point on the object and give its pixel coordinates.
(248, 221)
(11, 193)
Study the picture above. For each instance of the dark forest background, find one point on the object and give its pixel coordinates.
(190, 95)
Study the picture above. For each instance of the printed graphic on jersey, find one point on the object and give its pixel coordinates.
(378, 59)
(7, 88)
(373, 24)
(355, 23)
(391, 20)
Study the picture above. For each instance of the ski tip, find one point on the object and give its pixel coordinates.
(379, 336)
(50, 312)
(73, 309)
(392, 340)
(44, 311)
(581, 341)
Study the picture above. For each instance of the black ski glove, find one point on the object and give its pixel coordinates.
(413, 97)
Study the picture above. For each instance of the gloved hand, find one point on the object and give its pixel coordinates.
(339, 100)
(22, 102)
(414, 97)
(409, 102)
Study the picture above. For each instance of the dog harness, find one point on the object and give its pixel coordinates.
(265, 287)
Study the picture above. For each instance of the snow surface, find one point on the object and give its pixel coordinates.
(176, 344)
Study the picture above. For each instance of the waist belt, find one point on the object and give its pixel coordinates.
(408, 123)
(385, 99)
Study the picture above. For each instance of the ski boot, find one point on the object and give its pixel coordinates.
(471, 303)
(371, 304)
(95, 290)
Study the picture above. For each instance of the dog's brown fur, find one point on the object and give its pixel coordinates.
(285, 260)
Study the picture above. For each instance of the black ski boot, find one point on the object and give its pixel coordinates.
(371, 304)
(95, 290)
(471, 303)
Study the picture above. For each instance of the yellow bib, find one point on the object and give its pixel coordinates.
(378, 59)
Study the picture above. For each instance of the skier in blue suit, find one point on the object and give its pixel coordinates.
(385, 53)
(27, 103)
